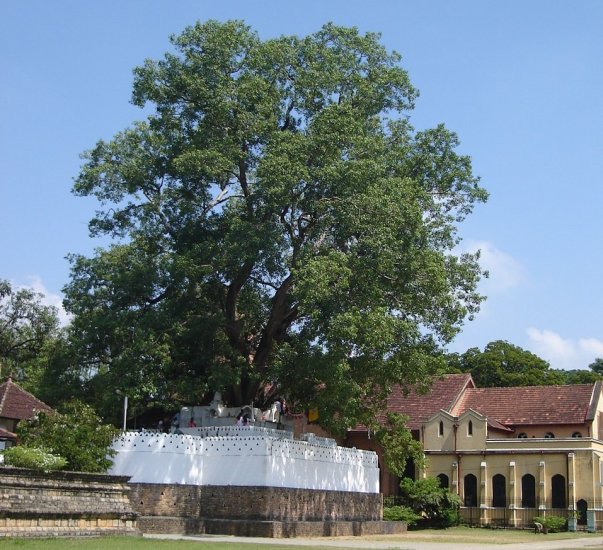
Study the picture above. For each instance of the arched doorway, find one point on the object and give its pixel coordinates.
(582, 507)
(528, 491)
(558, 498)
(499, 491)
(470, 490)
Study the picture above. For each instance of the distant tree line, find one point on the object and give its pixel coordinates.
(502, 364)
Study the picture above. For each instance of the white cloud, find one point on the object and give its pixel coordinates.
(564, 353)
(505, 271)
(48, 298)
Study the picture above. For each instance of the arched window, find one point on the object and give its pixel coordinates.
(528, 491)
(470, 490)
(549, 435)
(441, 429)
(576, 434)
(470, 428)
(444, 481)
(558, 499)
(522, 435)
(499, 491)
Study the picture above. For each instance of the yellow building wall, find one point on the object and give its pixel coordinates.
(539, 431)
(472, 432)
(433, 439)
(513, 467)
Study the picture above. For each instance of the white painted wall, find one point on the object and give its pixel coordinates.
(250, 458)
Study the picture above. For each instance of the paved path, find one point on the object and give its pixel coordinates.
(540, 543)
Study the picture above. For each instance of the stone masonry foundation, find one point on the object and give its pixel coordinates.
(64, 504)
(258, 511)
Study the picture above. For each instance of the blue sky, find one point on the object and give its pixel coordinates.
(520, 82)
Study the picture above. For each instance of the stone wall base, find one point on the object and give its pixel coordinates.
(34, 504)
(267, 529)
(65, 527)
(254, 503)
(273, 512)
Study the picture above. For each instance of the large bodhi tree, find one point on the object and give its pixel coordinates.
(279, 226)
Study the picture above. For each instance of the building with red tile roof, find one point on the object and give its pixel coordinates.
(509, 453)
(16, 404)
(530, 405)
(443, 394)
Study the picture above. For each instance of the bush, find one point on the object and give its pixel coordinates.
(76, 433)
(33, 458)
(553, 524)
(427, 498)
(401, 513)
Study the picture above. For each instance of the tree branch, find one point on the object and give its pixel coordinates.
(233, 325)
(281, 317)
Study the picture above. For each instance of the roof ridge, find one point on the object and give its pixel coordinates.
(5, 384)
(594, 400)
(15, 398)
(457, 402)
(19, 388)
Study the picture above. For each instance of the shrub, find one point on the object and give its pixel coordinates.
(552, 524)
(33, 458)
(428, 498)
(401, 513)
(75, 433)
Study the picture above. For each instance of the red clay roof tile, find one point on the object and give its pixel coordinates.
(527, 405)
(17, 404)
(418, 407)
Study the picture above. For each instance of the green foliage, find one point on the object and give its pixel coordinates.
(597, 366)
(398, 445)
(426, 497)
(401, 513)
(502, 364)
(76, 433)
(27, 327)
(581, 376)
(276, 219)
(33, 458)
(553, 524)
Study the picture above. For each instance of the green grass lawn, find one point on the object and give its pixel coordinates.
(132, 543)
(443, 536)
(486, 536)
(121, 543)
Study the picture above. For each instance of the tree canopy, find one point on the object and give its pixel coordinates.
(278, 225)
(27, 327)
(597, 366)
(502, 364)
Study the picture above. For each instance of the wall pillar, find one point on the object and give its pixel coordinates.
(512, 493)
(542, 487)
(590, 521)
(598, 481)
(484, 494)
(571, 492)
(454, 487)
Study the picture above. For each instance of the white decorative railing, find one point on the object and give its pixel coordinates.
(248, 456)
(238, 431)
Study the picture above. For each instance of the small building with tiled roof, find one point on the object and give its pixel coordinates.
(16, 404)
(509, 453)
(443, 394)
(416, 405)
